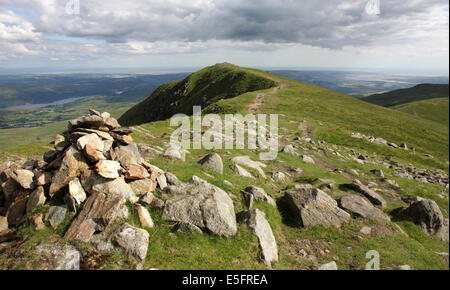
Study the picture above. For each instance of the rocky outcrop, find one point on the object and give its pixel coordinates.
(311, 206)
(201, 204)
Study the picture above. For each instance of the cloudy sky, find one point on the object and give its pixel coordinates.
(406, 35)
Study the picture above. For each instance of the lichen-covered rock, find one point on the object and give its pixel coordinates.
(311, 206)
(131, 240)
(201, 204)
(58, 257)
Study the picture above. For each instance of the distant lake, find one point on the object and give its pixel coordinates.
(35, 106)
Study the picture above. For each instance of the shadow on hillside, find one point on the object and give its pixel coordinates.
(287, 217)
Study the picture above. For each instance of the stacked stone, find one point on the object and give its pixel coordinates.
(95, 168)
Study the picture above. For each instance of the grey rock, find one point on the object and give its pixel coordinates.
(378, 172)
(99, 210)
(58, 257)
(132, 241)
(260, 195)
(361, 207)
(329, 267)
(371, 195)
(256, 221)
(308, 159)
(311, 207)
(427, 214)
(127, 155)
(188, 227)
(56, 215)
(241, 171)
(213, 162)
(201, 204)
(172, 179)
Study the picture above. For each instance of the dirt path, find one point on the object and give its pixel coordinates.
(255, 106)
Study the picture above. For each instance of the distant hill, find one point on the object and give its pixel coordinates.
(403, 96)
(435, 109)
(203, 88)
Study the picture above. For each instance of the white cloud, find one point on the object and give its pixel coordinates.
(153, 27)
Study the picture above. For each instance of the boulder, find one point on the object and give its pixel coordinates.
(213, 162)
(72, 165)
(256, 221)
(108, 169)
(248, 162)
(279, 176)
(361, 207)
(241, 171)
(132, 241)
(378, 172)
(172, 179)
(98, 212)
(175, 153)
(37, 198)
(311, 206)
(58, 257)
(427, 214)
(308, 159)
(201, 204)
(371, 195)
(289, 149)
(56, 215)
(260, 195)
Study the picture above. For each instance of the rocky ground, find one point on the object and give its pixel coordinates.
(85, 191)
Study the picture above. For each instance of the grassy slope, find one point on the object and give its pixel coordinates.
(331, 117)
(417, 93)
(202, 88)
(435, 109)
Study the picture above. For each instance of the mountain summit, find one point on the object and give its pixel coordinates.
(202, 88)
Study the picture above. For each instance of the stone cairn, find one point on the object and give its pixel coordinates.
(94, 169)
